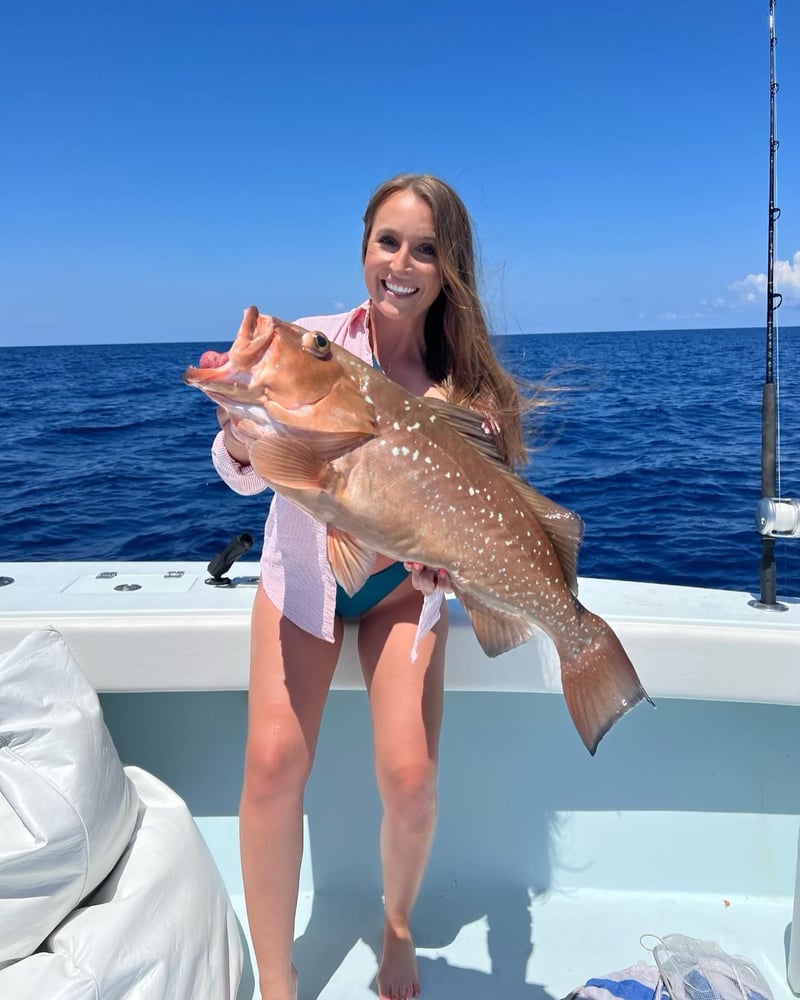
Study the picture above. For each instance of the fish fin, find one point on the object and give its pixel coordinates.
(564, 528)
(286, 462)
(600, 684)
(469, 423)
(350, 561)
(496, 631)
(358, 426)
(331, 445)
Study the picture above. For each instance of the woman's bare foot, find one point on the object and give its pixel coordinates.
(398, 976)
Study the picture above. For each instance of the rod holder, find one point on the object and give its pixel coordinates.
(223, 560)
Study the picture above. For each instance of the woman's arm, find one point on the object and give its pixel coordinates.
(231, 460)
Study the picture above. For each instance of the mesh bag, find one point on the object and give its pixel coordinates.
(701, 970)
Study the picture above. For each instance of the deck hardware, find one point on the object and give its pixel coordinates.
(223, 560)
(128, 586)
(5, 580)
(106, 575)
(173, 574)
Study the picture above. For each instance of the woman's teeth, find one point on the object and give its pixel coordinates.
(399, 289)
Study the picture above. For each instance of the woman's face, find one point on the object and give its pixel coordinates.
(401, 267)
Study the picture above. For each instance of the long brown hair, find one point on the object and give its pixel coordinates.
(458, 350)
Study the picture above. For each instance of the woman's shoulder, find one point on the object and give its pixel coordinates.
(337, 325)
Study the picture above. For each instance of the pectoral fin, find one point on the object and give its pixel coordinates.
(350, 561)
(285, 462)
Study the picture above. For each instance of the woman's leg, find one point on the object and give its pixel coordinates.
(290, 673)
(406, 703)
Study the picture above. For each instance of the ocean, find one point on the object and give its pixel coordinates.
(655, 441)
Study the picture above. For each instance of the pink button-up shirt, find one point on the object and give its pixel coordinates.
(295, 572)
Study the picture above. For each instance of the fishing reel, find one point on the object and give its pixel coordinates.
(778, 518)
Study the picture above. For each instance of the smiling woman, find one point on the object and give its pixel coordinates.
(424, 325)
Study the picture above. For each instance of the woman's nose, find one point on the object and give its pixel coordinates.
(401, 258)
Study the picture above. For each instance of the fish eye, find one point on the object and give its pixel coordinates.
(317, 343)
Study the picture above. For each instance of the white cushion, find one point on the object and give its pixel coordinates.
(67, 809)
(161, 927)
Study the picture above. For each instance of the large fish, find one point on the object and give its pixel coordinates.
(420, 481)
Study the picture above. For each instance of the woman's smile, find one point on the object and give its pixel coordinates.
(397, 289)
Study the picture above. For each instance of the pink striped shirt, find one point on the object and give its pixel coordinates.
(295, 572)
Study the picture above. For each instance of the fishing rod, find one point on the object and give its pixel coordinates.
(775, 517)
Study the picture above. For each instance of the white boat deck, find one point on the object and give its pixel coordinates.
(685, 642)
(505, 948)
(549, 866)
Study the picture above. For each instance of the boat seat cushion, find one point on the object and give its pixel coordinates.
(67, 808)
(161, 926)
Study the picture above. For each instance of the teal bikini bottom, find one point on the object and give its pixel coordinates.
(378, 586)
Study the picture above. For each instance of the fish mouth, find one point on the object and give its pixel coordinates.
(232, 381)
(221, 384)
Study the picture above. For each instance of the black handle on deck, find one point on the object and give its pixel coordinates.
(223, 560)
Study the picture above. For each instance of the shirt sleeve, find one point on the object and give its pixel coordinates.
(241, 478)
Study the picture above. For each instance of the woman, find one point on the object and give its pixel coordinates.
(423, 324)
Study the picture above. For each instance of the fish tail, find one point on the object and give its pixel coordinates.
(600, 683)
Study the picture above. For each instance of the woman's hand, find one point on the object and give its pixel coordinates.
(235, 443)
(427, 579)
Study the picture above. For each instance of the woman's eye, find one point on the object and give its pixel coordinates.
(428, 249)
(387, 241)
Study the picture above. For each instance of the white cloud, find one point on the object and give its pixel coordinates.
(786, 280)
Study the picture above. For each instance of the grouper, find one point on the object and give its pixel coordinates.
(420, 481)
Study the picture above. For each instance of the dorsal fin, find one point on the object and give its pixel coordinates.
(468, 423)
(563, 528)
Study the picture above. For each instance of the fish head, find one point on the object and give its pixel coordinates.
(283, 378)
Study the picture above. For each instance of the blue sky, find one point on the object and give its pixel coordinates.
(166, 164)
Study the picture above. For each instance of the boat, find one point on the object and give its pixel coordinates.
(550, 867)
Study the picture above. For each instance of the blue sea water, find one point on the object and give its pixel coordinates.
(656, 444)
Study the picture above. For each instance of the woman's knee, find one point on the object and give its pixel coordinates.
(408, 788)
(277, 764)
